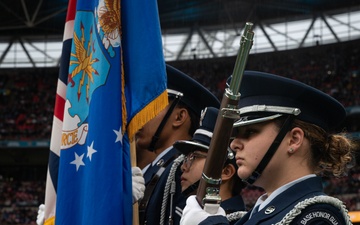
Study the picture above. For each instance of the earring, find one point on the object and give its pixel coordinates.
(291, 150)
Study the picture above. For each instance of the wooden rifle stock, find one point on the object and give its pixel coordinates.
(208, 190)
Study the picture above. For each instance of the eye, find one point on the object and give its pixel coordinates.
(245, 132)
(249, 132)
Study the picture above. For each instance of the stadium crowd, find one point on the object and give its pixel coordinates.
(27, 100)
(334, 69)
(19, 200)
(27, 97)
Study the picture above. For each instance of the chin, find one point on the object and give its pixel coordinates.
(243, 175)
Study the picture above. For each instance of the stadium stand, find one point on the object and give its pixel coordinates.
(333, 69)
(27, 98)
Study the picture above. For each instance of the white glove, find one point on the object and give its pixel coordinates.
(138, 184)
(40, 216)
(193, 214)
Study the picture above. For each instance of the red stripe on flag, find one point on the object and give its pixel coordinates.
(59, 108)
(71, 10)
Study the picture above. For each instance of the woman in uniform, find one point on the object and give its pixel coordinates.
(195, 151)
(286, 139)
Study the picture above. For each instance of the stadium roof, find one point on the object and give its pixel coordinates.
(46, 17)
(31, 31)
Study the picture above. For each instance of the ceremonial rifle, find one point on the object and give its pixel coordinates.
(208, 190)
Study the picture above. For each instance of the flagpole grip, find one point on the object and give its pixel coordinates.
(133, 163)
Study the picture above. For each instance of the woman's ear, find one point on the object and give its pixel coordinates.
(228, 172)
(296, 139)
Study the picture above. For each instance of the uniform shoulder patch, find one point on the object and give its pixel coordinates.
(317, 210)
(319, 216)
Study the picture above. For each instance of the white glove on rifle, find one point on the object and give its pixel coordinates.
(40, 216)
(138, 184)
(193, 214)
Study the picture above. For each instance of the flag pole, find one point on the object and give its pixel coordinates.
(133, 163)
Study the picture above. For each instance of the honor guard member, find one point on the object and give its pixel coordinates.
(195, 152)
(285, 140)
(178, 121)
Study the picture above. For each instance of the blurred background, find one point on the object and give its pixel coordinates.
(316, 42)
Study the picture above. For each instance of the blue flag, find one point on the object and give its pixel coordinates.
(116, 83)
(145, 68)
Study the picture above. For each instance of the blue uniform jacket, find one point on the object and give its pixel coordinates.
(150, 172)
(152, 213)
(232, 205)
(284, 202)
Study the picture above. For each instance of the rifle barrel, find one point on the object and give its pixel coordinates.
(208, 190)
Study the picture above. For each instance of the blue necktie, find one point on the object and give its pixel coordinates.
(148, 174)
(255, 210)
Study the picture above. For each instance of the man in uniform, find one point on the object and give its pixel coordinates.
(178, 121)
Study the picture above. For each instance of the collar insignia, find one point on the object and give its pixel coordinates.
(269, 210)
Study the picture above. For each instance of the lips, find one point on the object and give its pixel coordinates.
(239, 161)
(182, 178)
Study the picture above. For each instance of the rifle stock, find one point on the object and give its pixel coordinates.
(208, 190)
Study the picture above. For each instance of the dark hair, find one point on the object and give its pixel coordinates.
(331, 154)
(237, 185)
(236, 182)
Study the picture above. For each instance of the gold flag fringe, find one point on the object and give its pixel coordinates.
(50, 221)
(147, 113)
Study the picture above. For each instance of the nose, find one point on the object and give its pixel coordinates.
(183, 167)
(236, 145)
